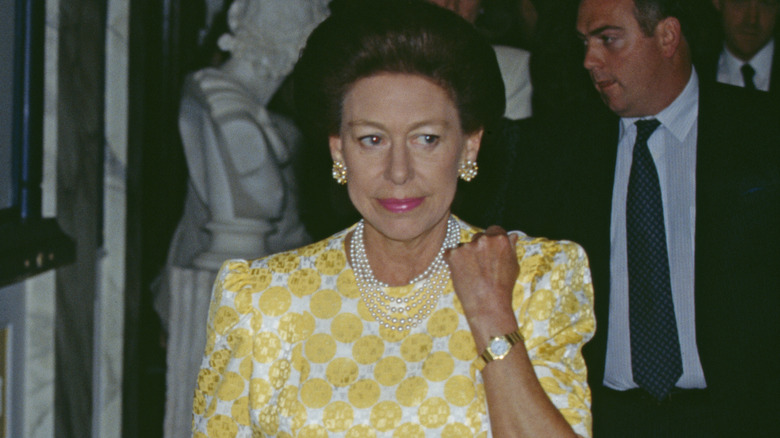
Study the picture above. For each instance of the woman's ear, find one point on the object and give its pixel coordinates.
(473, 142)
(334, 142)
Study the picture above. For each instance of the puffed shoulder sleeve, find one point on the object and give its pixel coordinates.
(554, 305)
(222, 391)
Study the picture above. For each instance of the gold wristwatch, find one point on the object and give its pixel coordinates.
(498, 347)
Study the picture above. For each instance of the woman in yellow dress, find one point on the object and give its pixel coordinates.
(411, 322)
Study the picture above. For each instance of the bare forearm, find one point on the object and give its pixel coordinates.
(493, 295)
(517, 404)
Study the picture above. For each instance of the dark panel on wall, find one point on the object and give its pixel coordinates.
(163, 48)
(79, 198)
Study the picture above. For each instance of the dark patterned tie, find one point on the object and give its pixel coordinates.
(747, 75)
(655, 347)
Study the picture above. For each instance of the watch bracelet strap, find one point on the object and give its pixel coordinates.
(513, 338)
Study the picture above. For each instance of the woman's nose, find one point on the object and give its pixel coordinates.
(399, 167)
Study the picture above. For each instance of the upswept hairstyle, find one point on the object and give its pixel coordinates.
(362, 38)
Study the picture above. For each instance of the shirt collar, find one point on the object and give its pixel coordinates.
(678, 117)
(761, 61)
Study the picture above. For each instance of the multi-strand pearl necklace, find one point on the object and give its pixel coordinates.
(402, 313)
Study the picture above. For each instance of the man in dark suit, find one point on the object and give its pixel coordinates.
(698, 357)
(748, 56)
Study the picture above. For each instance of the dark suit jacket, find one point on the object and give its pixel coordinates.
(709, 70)
(562, 189)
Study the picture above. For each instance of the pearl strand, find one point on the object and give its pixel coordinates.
(382, 306)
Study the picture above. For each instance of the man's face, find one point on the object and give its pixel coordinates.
(748, 24)
(623, 62)
(468, 9)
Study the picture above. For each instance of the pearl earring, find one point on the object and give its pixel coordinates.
(340, 172)
(468, 170)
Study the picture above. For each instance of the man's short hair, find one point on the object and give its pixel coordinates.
(650, 12)
(697, 18)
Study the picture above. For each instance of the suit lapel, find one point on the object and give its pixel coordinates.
(595, 238)
(774, 75)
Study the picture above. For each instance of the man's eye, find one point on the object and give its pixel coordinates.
(370, 140)
(606, 39)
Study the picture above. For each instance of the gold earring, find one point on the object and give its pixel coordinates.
(468, 170)
(340, 172)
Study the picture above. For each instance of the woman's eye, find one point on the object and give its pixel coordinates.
(370, 140)
(427, 139)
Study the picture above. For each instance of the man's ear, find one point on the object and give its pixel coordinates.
(669, 34)
(473, 142)
(334, 143)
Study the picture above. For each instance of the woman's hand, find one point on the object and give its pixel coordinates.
(484, 272)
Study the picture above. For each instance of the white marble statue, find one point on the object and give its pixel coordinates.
(241, 193)
(238, 153)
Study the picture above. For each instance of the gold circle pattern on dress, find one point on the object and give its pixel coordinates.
(390, 370)
(338, 416)
(433, 412)
(320, 366)
(361, 431)
(386, 415)
(364, 393)
(316, 393)
(325, 304)
(331, 262)
(320, 348)
(275, 301)
(443, 322)
(409, 430)
(304, 282)
(459, 390)
(438, 366)
(368, 349)
(240, 411)
(412, 391)
(222, 426)
(342, 371)
(346, 327)
(266, 347)
(416, 347)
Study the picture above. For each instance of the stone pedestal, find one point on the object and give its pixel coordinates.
(190, 296)
(242, 238)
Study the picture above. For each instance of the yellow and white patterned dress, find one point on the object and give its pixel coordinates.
(292, 350)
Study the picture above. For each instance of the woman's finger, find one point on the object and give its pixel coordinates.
(495, 230)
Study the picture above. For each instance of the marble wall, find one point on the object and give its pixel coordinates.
(77, 311)
(27, 312)
(110, 296)
(79, 141)
(27, 309)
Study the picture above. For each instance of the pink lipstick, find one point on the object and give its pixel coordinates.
(400, 205)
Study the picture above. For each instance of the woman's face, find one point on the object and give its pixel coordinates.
(402, 142)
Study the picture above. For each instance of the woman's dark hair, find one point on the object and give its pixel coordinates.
(362, 38)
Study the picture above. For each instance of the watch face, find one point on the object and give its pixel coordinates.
(499, 347)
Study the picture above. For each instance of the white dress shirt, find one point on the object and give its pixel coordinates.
(673, 147)
(729, 67)
(513, 64)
